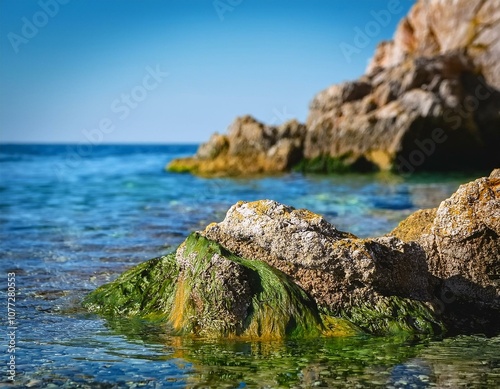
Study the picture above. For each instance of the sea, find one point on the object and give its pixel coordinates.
(73, 218)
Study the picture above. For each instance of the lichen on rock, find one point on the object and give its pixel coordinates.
(461, 239)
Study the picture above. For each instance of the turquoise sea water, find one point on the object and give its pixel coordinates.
(70, 224)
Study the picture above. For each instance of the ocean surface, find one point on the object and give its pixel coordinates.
(74, 217)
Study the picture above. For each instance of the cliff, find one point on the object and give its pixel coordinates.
(429, 100)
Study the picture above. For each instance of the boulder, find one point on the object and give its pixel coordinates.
(363, 280)
(249, 148)
(204, 290)
(461, 239)
(425, 113)
(270, 271)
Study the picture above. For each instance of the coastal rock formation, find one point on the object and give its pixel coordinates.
(435, 27)
(269, 270)
(461, 239)
(205, 290)
(425, 113)
(430, 100)
(249, 148)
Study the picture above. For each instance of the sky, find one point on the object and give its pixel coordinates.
(175, 71)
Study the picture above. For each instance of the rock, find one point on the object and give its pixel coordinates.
(430, 100)
(216, 145)
(205, 290)
(415, 225)
(461, 239)
(433, 27)
(269, 271)
(425, 113)
(346, 276)
(250, 148)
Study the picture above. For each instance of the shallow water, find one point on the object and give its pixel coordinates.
(68, 225)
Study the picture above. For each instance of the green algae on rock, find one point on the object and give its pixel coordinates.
(145, 290)
(205, 290)
(394, 315)
(272, 271)
(339, 164)
(221, 294)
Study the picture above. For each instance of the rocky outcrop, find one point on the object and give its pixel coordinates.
(461, 239)
(430, 100)
(435, 27)
(269, 270)
(435, 113)
(249, 148)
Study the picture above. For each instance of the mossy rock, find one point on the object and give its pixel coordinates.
(183, 165)
(392, 315)
(342, 164)
(223, 294)
(146, 290)
(205, 290)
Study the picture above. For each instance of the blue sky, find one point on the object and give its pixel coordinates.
(174, 71)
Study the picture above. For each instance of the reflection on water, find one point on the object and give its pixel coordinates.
(362, 362)
(64, 235)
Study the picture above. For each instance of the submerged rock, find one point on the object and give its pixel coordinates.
(269, 271)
